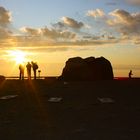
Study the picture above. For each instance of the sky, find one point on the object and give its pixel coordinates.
(51, 31)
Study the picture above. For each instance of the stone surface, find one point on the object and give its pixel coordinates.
(88, 69)
(2, 78)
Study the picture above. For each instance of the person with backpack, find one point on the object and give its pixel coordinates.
(28, 66)
(35, 67)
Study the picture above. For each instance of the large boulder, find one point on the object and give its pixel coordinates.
(2, 78)
(88, 69)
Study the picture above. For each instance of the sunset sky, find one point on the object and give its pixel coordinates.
(51, 31)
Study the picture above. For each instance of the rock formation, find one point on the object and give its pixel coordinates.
(88, 69)
(2, 78)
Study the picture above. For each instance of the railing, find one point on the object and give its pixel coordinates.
(41, 77)
(55, 77)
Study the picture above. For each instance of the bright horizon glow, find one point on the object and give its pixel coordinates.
(18, 56)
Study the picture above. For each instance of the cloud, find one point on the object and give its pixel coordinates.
(136, 40)
(68, 23)
(72, 23)
(96, 13)
(5, 21)
(30, 31)
(125, 22)
(91, 37)
(120, 23)
(5, 33)
(133, 2)
(59, 25)
(47, 33)
(103, 37)
(57, 34)
(115, 27)
(122, 16)
(111, 3)
(5, 17)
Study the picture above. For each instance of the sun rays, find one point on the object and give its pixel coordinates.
(18, 56)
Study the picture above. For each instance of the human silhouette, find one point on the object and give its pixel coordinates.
(28, 67)
(21, 72)
(35, 67)
(130, 74)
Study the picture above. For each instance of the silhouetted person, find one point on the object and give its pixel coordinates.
(21, 72)
(28, 66)
(35, 67)
(130, 74)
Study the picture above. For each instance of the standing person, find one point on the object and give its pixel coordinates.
(130, 74)
(21, 72)
(28, 66)
(35, 67)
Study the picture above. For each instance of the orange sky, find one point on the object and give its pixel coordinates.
(50, 33)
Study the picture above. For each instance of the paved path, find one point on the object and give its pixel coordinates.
(78, 115)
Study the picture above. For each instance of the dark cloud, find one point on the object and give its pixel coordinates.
(5, 33)
(111, 3)
(72, 23)
(30, 31)
(59, 25)
(57, 34)
(5, 17)
(5, 21)
(133, 2)
(52, 33)
(92, 37)
(42, 36)
(125, 22)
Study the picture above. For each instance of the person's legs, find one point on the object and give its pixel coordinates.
(20, 75)
(34, 74)
(29, 74)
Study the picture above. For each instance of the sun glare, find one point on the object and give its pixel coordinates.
(18, 56)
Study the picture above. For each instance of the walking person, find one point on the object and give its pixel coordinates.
(28, 66)
(35, 67)
(130, 74)
(21, 72)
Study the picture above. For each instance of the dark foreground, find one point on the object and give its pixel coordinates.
(103, 110)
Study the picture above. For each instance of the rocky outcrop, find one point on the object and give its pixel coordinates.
(88, 69)
(2, 78)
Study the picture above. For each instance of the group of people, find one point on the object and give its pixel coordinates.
(29, 66)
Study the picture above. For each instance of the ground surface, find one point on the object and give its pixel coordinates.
(103, 110)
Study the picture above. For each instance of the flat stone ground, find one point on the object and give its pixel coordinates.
(43, 110)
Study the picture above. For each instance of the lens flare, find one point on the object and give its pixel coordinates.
(18, 56)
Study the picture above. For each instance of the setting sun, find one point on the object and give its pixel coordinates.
(18, 56)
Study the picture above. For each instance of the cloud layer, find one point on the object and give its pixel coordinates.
(96, 13)
(72, 23)
(114, 27)
(5, 19)
(127, 23)
(133, 2)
